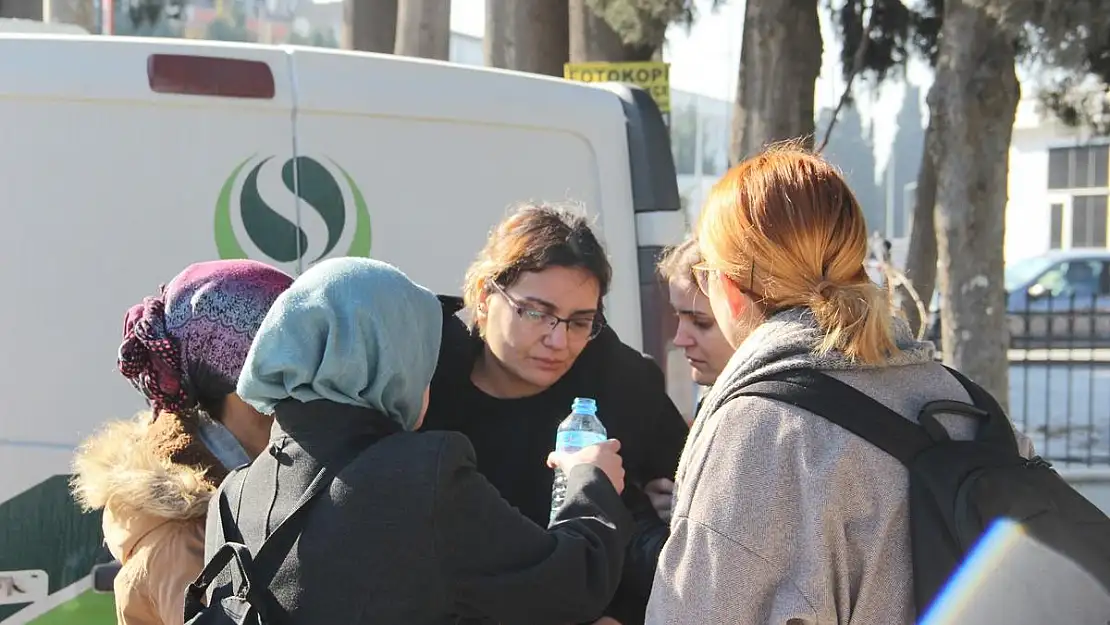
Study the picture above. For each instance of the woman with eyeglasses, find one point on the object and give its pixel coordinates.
(538, 340)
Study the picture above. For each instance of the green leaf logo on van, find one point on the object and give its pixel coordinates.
(326, 195)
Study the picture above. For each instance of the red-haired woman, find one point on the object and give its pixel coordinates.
(781, 516)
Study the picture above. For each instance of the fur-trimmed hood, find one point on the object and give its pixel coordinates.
(125, 470)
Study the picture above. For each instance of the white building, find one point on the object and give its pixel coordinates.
(1058, 186)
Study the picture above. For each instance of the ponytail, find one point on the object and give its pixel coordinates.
(856, 319)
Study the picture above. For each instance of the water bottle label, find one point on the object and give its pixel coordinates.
(575, 440)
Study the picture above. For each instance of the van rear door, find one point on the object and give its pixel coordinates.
(122, 161)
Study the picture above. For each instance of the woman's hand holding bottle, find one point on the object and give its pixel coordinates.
(603, 455)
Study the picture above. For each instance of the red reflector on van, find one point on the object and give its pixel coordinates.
(209, 75)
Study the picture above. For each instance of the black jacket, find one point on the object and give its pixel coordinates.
(632, 403)
(410, 533)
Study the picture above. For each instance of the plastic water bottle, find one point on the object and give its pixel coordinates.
(580, 429)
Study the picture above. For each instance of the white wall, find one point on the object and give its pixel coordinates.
(466, 50)
(1027, 211)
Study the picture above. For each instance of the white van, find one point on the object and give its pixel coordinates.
(124, 160)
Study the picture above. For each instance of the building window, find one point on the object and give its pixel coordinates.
(1088, 221)
(1056, 232)
(1079, 184)
(1078, 167)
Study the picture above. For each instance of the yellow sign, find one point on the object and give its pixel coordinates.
(653, 76)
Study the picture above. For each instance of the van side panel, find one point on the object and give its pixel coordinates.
(439, 153)
(110, 189)
(118, 172)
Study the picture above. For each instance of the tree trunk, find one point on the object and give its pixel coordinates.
(424, 28)
(973, 104)
(592, 39)
(780, 59)
(921, 259)
(21, 9)
(370, 25)
(528, 35)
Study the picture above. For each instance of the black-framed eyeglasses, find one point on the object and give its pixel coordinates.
(578, 328)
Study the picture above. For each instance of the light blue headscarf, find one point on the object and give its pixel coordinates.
(351, 330)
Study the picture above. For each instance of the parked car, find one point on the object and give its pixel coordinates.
(1056, 300)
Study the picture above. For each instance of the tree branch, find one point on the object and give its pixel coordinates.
(857, 66)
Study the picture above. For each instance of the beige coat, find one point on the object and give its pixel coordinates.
(154, 513)
(781, 517)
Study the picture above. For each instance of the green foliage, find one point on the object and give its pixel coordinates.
(888, 27)
(233, 28)
(1067, 40)
(164, 28)
(1072, 44)
(926, 29)
(126, 25)
(642, 23)
(1080, 99)
(149, 13)
(88, 608)
(317, 38)
(894, 33)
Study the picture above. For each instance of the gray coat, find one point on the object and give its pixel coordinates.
(410, 533)
(782, 517)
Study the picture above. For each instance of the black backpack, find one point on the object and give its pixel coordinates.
(252, 601)
(957, 488)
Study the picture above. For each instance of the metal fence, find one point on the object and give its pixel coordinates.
(1059, 366)
(1060, 376)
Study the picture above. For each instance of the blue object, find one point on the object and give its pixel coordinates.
(580, 429)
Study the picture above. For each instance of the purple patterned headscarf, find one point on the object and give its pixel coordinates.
(187, 345)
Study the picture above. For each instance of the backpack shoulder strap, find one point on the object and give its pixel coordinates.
(258, 571)
(979, 396)
(997, 427)
(229, 520)
(846, 407)
(231, 552)
(276, 546)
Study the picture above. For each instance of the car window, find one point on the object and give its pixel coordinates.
(1018, 273)
(1079, 278)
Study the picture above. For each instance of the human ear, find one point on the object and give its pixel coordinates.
(483, 304)
(738, 302)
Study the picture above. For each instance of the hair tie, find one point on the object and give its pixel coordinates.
(150, 359)
(825, 289)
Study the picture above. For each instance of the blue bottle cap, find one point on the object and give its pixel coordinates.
(584, 405)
